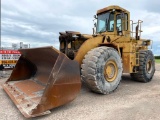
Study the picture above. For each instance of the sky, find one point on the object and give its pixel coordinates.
(38, 22)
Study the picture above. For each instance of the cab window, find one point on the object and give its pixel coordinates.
(111, 23)
(119, 23)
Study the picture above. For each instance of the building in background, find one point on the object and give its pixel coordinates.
(16, 46)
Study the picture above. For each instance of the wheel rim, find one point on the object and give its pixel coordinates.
(110, 71)
(149, 66)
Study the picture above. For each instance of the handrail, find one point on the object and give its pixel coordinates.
(139, 27)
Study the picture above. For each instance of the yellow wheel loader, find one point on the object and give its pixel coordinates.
(45, 78)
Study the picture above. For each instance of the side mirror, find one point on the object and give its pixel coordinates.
(95, 16)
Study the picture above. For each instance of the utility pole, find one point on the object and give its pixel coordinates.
(0, 44)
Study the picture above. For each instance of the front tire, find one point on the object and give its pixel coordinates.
(102, 69)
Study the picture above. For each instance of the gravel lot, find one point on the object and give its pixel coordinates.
(131, 101)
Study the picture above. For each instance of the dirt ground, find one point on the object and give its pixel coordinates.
(131, 101)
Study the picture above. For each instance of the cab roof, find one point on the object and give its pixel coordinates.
(111, 8)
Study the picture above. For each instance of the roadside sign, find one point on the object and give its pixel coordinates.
(9, 58)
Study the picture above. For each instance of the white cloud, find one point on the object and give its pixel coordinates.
(39, 22)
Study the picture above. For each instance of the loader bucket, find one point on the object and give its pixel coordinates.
(42, 79)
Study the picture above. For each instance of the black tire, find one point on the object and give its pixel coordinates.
(94, 66)
(145, 73)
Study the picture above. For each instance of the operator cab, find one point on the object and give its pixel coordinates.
(112, 19)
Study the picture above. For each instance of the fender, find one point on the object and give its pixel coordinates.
(90, 44)
(87, 46)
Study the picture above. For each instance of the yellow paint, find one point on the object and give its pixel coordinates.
(8, 62)
(87, 46)
(110, 71)
(127, 46)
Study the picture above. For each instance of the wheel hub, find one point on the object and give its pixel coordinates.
(149, 67)
(110, 71)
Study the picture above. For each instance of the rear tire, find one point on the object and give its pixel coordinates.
(146, 67)
(102, 69)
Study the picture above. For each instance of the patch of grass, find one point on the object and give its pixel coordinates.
(157, 60)
(157, 57)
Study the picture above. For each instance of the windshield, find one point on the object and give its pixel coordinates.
(102, 20)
